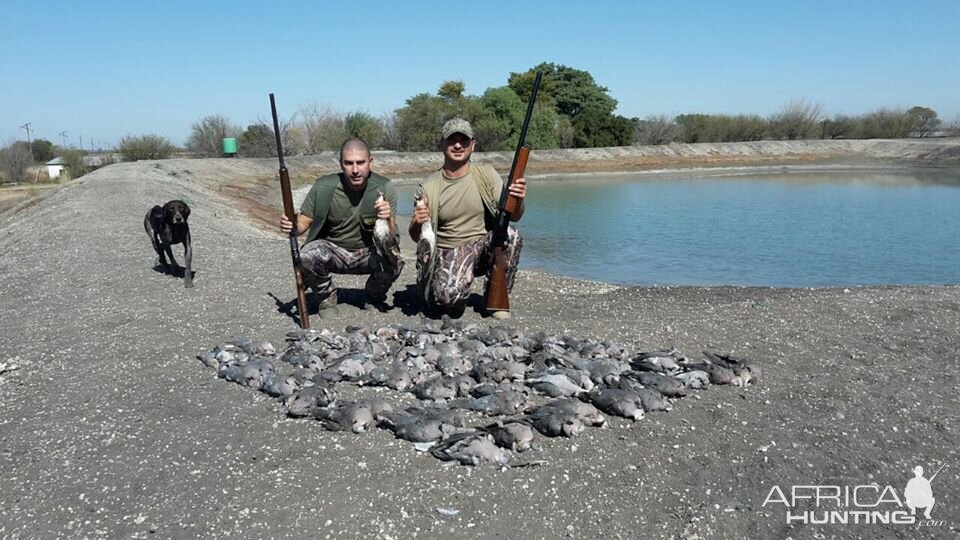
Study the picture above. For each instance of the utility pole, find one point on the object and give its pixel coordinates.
(81, 143)
(63, 139)
(27, 127)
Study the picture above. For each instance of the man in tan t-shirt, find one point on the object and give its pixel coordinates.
(460, 207)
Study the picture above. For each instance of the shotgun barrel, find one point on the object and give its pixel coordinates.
(291, 214)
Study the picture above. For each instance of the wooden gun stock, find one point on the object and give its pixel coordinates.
(291, 214)
(497, 296)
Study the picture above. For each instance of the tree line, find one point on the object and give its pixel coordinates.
(572, 111)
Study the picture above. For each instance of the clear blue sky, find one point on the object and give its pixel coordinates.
(105, 69)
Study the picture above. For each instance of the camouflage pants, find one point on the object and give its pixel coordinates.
(455, 268)
(321, 258)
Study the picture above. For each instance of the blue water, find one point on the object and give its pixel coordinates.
(785, 230)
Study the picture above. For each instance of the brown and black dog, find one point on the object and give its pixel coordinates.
(166, 226)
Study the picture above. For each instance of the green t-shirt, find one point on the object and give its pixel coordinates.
(350, 215)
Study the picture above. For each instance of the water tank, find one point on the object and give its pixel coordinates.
(230, 146)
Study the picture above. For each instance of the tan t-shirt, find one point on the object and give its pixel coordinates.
(460, 212)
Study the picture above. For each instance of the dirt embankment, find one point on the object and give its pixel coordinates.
(251, 182)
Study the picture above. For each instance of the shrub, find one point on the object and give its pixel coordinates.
(145, 147)
(14, 161)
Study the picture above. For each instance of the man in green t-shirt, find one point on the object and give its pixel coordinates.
(460, 205)
(340, 215)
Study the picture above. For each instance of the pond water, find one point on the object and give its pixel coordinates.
(772, 229)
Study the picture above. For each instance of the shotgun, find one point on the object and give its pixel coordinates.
(497, 295)
(291, 214)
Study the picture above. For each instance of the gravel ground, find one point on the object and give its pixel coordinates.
(109, 426)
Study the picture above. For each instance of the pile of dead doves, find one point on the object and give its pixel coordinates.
(554, 385)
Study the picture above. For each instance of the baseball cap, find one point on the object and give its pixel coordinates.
(457, 125)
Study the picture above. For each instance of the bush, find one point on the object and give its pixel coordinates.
(323, 129)
(798, 120)
(73, 163)
(207, 135)
(656, 130)
(14, 161)
(145, 147)
(258, 141)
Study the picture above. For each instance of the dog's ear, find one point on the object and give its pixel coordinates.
(185, 211)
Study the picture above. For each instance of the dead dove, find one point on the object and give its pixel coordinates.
(657, 361)
(555, 384)
(694, 379)
(308, 400)
(718, 374)
(587, 413)
(473, 448)
(618, 402)
(450, 365)
(250, 374)
(444, 388)
(555, 422)
(420, 425)
(279, 386)
(498, 371)
(426, 249)
(384, 241)
(667, 386)
(355, 416)
(746, 371)
(515, 435)
(502, 403)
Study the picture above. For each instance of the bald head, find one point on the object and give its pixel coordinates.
(355, 160)
(354, 144)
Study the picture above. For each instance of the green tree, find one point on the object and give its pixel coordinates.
(694, 127)
(42, 150)
(365, 126)
(886, 123)
(840, 127)
(207, 134)
(498, 126)
(451, 91)
(133, 148)
(420, 120)
(504, 118)
(583, 110)
(594, 128)
(924, 120)
(570, 91)
(258, 140)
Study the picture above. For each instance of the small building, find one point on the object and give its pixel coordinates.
(54, 167)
